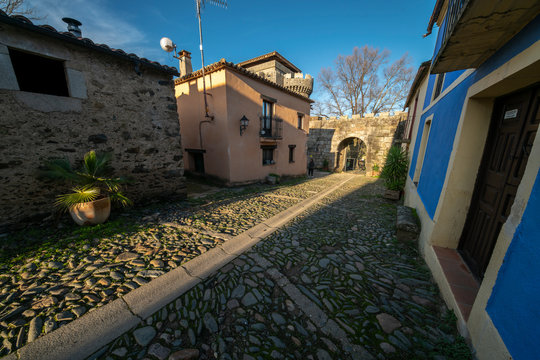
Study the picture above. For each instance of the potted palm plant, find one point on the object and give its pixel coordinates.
(93, 188)
(394, 172)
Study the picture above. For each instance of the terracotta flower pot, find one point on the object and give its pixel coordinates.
(392, 194)
(91, 213)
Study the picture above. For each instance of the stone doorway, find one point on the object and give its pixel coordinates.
(351, 155)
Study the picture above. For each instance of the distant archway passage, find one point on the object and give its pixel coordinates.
(351, 155)
(329, 141)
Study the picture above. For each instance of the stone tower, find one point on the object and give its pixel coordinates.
(273, 66)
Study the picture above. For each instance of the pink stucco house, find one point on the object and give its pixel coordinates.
(254, 120)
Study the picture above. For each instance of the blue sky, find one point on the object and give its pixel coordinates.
(310, 33)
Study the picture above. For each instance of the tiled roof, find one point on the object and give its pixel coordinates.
(274, 55)
(47, 30)
(239, 69)
(434, 16)
(423, 70)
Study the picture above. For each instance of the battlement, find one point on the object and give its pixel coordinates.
(298, 83)
(401, 114)
(297, 76)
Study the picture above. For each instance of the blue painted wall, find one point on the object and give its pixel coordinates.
(429, 90)
(447, 112)
(450, 77)
(438, 43)
(515, 300)
(432, 77)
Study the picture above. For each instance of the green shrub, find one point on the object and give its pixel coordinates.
(91, 181)
(394, 172)
(325, 164)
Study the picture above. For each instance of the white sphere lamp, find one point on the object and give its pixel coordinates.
(167, 44)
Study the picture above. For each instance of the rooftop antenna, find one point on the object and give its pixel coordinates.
(199, 4)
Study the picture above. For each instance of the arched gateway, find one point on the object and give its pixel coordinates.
(351, 155)
(348, 143)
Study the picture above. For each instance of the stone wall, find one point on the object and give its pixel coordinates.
(116, 110)
(326, 135)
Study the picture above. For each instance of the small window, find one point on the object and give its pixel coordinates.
(422, 152)
(267, 114)
(39, 74)
(291, 153)
(438, 85)
(268, 155)
(300, 121)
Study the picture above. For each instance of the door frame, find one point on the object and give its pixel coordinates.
(528, 92)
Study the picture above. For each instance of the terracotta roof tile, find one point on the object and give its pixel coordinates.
(423, 70)
(239, 69)
(48, 30)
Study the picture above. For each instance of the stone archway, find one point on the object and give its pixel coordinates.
(328, 137)
(351, 155)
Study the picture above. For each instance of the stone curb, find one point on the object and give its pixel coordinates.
(84, 336)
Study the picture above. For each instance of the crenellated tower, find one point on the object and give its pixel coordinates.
(298, 83)
(274, 67)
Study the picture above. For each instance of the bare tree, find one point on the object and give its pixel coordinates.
(319, 109)
(17, 7)
(365, 82)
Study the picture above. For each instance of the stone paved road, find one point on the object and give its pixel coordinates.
(332, 284)
(44, 288)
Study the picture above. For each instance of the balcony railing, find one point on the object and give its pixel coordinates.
(271, 127)
(474, 30)
(452, 16)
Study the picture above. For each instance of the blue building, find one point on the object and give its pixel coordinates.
(474, 171)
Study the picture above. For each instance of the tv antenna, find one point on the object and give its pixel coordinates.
(200, 4)
(168, 46)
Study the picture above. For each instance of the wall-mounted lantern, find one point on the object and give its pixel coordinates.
(244, 121)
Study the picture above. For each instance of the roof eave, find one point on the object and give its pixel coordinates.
(85, 43)
(222, 64)
(434, 16)
(423, 70)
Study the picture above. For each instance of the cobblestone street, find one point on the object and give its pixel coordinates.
(45, 287)
(331, 284)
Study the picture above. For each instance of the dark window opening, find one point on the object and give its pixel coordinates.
(268, 155)
(267, 114)
(438, 86)
(291, 153)
(39, 74)
(300, 118)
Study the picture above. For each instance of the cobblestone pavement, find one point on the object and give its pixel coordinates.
(331, 284)
(45, 288)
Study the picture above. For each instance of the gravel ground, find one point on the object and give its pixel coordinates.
(331, 284)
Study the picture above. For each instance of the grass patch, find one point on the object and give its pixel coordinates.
(46, 242)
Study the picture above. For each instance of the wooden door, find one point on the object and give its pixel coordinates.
(510, 138)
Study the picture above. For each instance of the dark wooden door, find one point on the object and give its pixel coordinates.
(510, 138)
(198, 160)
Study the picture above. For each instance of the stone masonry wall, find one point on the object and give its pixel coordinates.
(133, 116)
(326, 135)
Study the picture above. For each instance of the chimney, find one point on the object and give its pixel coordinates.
(185, 63)
(73, 26)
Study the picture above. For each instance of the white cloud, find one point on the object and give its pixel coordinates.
(99, 23)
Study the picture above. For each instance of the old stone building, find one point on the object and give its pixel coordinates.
(274, 67)
(62, 95)
(352, 143)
